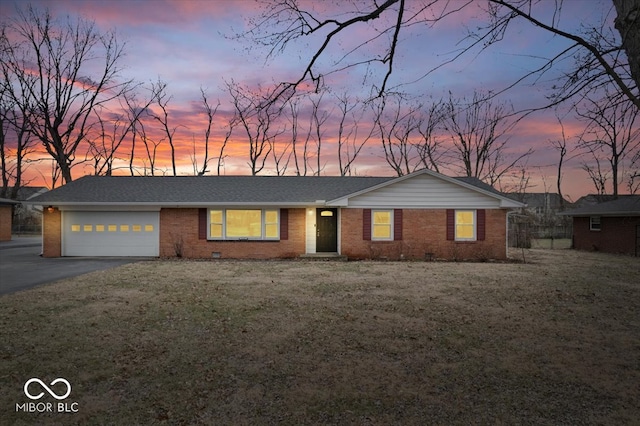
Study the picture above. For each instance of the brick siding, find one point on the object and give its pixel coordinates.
(5, 223)
(424, 235)
(179, 237)
(617, 235)
(52, 233)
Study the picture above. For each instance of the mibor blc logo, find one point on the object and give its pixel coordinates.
(35, 389)
(47, 388)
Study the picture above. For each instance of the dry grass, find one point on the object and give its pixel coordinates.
(554, 341)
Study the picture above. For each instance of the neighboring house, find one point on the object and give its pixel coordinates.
(424, 214)
(542, 204)
(592, 200)
(27, 218)
(610, 226)
(6, 218)
(540, 218)
(25, 193)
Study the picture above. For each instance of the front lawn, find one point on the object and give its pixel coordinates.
(552, 341)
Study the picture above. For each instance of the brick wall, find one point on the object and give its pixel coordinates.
(52, 233)
(5, 223)
(424, 234)
(617, 235)
(179, 235)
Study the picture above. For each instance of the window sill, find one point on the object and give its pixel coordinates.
(244, 240)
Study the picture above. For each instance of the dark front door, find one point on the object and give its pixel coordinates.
(638, 240)
(326, 230)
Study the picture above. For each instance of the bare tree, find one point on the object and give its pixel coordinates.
(396, 121)
(628, 24)
(598, 175)
(479, 132)
(281, 157)
(113, 130)
(76, 70)
(349, 143)
(256, 114)
(285, 22)
(611, 132)
(561, 146)
(596, 51)
(162, 100)
(431, 149)
(298, 141)
(135, 110)
(151, 149)
(633, 178)
(221, 156)
(16, 141)
(517, 182)
(210, 112)
(318, 119)
(103, 147)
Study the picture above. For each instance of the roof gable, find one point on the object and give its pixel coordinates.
(428, 189)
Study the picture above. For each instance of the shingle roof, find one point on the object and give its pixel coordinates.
(593, 199)
(480, 184)
(206, 189)
(26, 192)
(549, 200)
(625, 205)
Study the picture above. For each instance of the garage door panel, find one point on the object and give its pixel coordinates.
(110, 234)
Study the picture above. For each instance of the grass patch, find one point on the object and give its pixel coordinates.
(555, 341)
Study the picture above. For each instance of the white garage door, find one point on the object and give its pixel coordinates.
(110, 233)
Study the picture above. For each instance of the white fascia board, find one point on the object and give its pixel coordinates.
(510, 204)
(67, 205)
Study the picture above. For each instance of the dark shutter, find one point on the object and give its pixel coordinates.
(451, 224)
(202, 224)
(397, 224)
(366, 224)
(481, 228)
(284, 224)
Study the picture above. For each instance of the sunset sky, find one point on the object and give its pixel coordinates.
(189, 44)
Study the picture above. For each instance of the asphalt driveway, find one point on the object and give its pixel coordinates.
(22, 268)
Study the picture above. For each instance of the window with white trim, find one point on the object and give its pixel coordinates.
(465, 225)
(244, 224)
(382, 225)
(594, 223)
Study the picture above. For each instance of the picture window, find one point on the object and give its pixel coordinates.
(244, 224)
